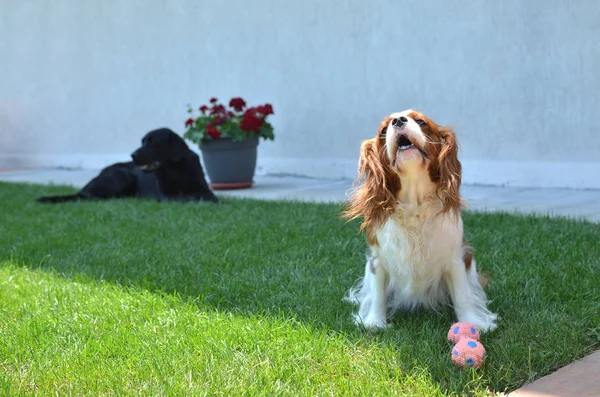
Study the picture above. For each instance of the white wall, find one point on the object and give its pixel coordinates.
(81, 81)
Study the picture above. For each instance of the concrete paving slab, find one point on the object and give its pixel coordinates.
(584, 204)
(77, 178)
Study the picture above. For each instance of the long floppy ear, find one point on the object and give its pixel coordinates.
(375, 195)
(450, 171)
(177, 147)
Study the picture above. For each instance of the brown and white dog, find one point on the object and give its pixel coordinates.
(408, 197)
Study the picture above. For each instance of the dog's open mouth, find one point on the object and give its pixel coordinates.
(404, 143)
(150, 167)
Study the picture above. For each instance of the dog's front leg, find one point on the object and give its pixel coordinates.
(376, 278)
(468, 296)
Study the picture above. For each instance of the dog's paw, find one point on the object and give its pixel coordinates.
(485, 322)
(372, 323)
(490, 324)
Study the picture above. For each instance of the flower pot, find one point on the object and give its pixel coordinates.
(229, 164)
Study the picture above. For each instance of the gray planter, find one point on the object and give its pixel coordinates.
(229, 165)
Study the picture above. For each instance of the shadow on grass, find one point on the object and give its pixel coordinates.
(296, 259)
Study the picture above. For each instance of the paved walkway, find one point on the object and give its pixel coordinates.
(584, 204)
(578, 379)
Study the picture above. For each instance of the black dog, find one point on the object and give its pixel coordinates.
(163, 168)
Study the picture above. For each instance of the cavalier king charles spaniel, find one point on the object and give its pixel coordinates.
(407, 194)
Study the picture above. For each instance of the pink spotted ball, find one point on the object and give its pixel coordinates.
(462, 330)
(468, 353)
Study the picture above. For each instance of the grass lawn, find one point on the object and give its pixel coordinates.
(145, 298)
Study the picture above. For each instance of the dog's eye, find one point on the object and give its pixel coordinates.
(383, 132)
(420, 122)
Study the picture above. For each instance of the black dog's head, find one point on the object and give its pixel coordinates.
(158, 147)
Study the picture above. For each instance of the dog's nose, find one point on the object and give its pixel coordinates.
(399, 122)
(135, 156)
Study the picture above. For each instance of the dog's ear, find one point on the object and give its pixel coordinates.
(177, 147)
(449, 170)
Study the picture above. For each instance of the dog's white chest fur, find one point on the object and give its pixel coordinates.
(415, 250)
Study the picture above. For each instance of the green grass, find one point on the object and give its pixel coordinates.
(145, 298)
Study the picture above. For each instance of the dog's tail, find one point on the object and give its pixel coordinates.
(59, 199)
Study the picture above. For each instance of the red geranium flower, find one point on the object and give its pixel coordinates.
(218, 109)
(266, 109)
(250, 122)
(234, 119)
(238, 104)
(213, 132)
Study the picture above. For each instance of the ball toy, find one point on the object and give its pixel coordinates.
(468, 353)
(462, 330)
